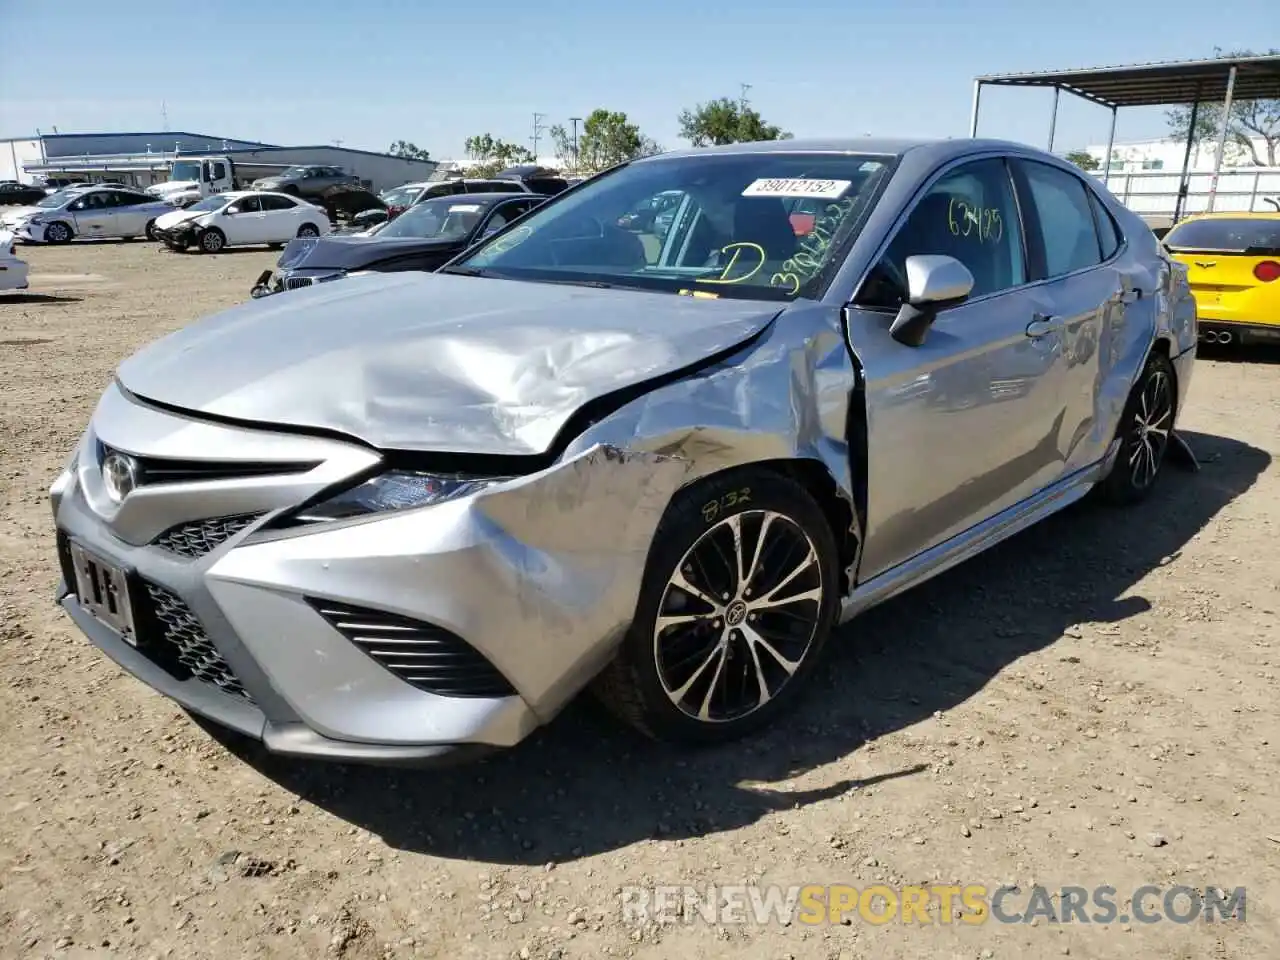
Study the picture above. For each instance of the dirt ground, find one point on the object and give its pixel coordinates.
(1092, 703)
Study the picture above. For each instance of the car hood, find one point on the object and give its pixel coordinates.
(173, 186)
(268, 183)
(167, 221)
(352, 251)
(12, 215)
(434, 362)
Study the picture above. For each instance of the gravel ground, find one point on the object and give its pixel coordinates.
(1092, 703)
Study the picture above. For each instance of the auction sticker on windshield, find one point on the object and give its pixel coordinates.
(465, 208)
(797, 187)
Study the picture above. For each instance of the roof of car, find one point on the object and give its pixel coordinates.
(1233, 215)
(884, 146)
(486, 197)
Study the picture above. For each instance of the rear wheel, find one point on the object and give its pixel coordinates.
(308, 230)
(151, 230)
(738, 599)
(212, 241)
(1144, 431)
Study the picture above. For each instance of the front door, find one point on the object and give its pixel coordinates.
(966, 424)
(246, 223)
(94, 214)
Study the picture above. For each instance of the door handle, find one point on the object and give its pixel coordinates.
(1043, 325)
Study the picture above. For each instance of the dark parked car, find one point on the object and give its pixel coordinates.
(537, 179)
(424, 237)
(307, 181)
(14, 194)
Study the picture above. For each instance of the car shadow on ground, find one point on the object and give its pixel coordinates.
(1259, 353)
(37, 298)
(585, 785)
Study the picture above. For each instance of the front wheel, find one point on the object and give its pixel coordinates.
(738, 599)
(1145, 427)
(212, 241)
(57, 232)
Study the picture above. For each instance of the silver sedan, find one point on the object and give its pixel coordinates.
(410, 516)
(106, 212)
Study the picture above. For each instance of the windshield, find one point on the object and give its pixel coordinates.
(400, 196)
(56, 199)
(1226, 235)
(208, 204)
(442, 218)
(723, 224)
(185, 170)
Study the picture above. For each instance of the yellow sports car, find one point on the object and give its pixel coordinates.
(1233, 265)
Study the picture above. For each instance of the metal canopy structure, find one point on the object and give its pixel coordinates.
(1170, 83)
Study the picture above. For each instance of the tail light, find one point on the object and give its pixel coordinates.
(1267, 271)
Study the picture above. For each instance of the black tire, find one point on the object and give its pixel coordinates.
(308, 230)
(151, 230)
(58, 232)
(1152, 401)
(638, 688)
(213, 240)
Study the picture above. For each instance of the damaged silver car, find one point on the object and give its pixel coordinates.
(410, 516)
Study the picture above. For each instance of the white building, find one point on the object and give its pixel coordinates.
(1166, 154)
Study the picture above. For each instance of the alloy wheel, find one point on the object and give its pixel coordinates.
(57, 233)
(738, 616)
(1149, 434)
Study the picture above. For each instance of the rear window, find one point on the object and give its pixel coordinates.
(1226, 235)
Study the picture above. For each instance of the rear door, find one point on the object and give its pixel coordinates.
(1082, 302)
(133, 212)
(280, 216)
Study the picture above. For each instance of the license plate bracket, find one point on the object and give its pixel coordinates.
(102, 588)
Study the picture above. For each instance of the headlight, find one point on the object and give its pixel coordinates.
(395, 490)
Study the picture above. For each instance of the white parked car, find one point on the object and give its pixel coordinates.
(241, 218)
(13, 272)
(87, 214)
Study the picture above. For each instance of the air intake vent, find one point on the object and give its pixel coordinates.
(180, 645)
(422, 654)
(193, 540)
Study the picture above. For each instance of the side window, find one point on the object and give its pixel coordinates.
(971, 214)
(245, 205)
(276, 203)
(219, 170)
(1066, 232)
(1108, 233)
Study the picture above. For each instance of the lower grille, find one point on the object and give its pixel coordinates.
(293, 283)
(195, 539)
(179, 644)
(421, 654)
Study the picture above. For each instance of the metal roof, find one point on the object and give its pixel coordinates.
(1158, 84)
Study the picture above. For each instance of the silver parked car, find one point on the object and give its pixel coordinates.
(411, 515)
(91, 213)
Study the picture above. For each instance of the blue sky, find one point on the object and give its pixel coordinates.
(368, 73)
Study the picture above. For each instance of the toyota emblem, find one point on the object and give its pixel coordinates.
(119, 475)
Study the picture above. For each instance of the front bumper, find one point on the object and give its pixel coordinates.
(539, 577)
(30, 232)
(183, 234)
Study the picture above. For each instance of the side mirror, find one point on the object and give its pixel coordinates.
(933, 283)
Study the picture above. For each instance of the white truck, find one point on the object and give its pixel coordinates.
(191, 179)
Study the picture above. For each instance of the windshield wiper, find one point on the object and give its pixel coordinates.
(463, 271)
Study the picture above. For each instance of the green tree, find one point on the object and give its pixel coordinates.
(1083, 160)
(1249, 122)
(609, 138)
(726, 121)
(562, 144)
(489, 155)
(410, 151)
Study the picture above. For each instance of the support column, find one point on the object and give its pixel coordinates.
(1111, 142)
(1053, 119)
(1181, 202)
(1222, 138)
(977, 102)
